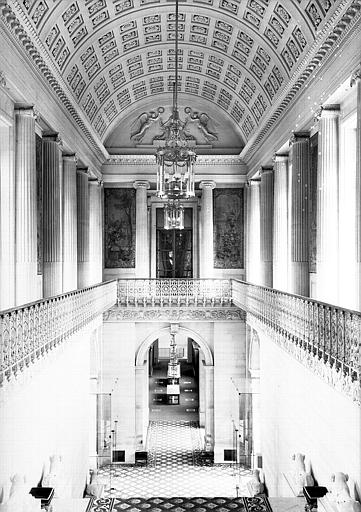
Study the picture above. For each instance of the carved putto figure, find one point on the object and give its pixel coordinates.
(203, 123)
(19, 498)
(301, 476)
(144, 122)
(342, 493)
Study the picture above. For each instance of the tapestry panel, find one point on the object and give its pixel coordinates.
(228, 228)
(119, 227)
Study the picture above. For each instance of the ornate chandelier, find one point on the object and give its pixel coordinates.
(173, 214)
(175, 159)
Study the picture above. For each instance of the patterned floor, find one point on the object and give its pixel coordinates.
(172, 469)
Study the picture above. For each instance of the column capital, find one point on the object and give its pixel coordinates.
(265, 169)
(96, 181)
(207, 184)
(70, 157)
(356, 76)
(280, 157)
(83, 170)
(254, 182)
(25, 110)
(299, 137)
(2, 79)
(330, 110)
(53, 137)
(141, 184)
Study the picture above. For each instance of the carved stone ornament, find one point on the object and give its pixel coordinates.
(299, 137)
(2, 79)
(119, 314)
(356, 75)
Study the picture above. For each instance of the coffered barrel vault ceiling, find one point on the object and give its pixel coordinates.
(237, 58)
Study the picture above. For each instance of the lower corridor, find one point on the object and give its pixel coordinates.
(173, 469)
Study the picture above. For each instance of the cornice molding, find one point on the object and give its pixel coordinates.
(24, 35)
(335, 30)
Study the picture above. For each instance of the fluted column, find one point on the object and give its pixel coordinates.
(70, 261)
(7, 213)
(142, 238)
(82, 190)
(253, 209)
(280, 223)
(356, 81)
(266, 226)
(25, 207)
(52, 216)
(327, 205)
(95, 231)
(206, 243)
(299, 268)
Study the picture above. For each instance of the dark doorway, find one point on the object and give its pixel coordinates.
(175, 247)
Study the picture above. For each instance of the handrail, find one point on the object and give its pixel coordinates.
(329, 333)
(29, 331)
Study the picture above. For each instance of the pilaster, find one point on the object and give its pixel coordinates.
(142, 237)
(280, 223)
(95, 231)
(52, 216)
(266, 226)
(299, 267)
(70, 270)
(82, 189)
(253, 209)
(327, 205)
(206, 243)
(25, 207)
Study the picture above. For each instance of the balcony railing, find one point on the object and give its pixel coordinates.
(28, 332)
(174, 292)
(328, 333)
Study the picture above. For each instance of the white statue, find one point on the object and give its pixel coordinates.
(95, 487)
(340, 493)
(256, 483)
(301, 476)
(19, 498)
(55, 476)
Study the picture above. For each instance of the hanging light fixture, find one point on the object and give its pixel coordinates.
(175, 159)
(173, 214)
(173, 365)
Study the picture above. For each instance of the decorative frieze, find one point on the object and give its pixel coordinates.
(119, 314)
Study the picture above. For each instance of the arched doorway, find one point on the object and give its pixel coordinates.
(205, 378)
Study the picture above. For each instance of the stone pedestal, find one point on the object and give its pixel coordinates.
(356, 82)
(253, 231)
(142, 255)
(327, 205)
(26, 207)
(280, 223)
(95, 231)
(266, 226)
(52, 216)
(82, 189)
(70, 262)
(299, 267)
(206, 242)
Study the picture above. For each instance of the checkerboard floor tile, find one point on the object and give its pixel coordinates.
(172, 468)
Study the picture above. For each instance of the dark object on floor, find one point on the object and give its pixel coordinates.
(45, 494)
(311, 494)
(141, 458)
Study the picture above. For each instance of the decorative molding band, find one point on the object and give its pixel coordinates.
(329, 374)
(335, 30)
(202, 160)
(175, 314)
(44, 65)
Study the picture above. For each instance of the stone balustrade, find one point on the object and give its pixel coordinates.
(30, 331)
(324, 337)
(174, 292)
